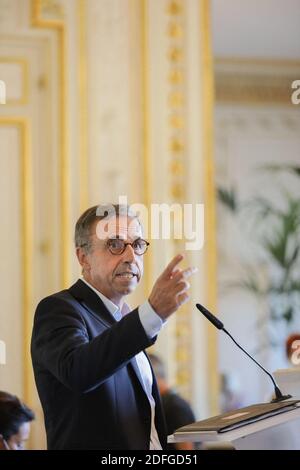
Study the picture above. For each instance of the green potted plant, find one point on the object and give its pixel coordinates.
(277, 234)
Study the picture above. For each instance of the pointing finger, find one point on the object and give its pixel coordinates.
(172, 265)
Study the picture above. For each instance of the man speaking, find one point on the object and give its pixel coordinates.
(94, 380)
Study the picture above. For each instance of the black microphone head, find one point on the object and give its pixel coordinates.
(214, 320)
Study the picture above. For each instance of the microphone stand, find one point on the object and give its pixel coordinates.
(218, 324)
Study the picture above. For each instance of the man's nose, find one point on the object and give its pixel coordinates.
(129, 254)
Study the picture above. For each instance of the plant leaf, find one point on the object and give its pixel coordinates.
(288, 314)
(228, 198)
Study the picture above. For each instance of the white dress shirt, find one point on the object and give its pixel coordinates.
(152, 324)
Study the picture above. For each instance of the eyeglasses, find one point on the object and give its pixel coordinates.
(117, 246)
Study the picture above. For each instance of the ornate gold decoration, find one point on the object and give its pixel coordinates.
(209, 197)
(174, 8)
(51, 9)
(176, 121)
(176, 144)
(45, 247)
(177, 192)
(175, 76)
(176, 125)
(176, 168)
(174, 30)
(175, 99)
(175, 54)
(42, 82)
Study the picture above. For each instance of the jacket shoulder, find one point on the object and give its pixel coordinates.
(62, 301)
(63, 296)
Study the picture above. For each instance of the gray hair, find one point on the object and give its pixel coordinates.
(95, 214)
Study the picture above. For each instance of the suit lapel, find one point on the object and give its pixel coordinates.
(91, 301)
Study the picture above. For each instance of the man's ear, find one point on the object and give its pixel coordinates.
(82, 258)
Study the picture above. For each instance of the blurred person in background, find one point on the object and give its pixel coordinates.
(15, 419)
(177, 410)
(292, 348)
(231, 396)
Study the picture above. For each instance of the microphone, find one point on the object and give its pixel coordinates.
(218, 324)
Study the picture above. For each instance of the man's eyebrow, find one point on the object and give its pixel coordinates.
(118, 237)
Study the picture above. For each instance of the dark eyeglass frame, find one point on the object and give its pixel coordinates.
(125, 246)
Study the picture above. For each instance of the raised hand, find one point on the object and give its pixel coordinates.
(170, 290)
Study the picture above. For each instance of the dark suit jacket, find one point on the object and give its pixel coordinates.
(86, 375)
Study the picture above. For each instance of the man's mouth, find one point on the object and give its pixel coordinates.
(126, 275)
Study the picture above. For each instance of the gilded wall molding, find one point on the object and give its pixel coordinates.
(209, 196)
(82, 95)
(255, 81)
(52, 9)
(26, 211)
(172, 98)
(176, 125)
(148, 275)
(23, 64)
(58, 24)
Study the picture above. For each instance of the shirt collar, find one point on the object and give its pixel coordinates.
(111, 307)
